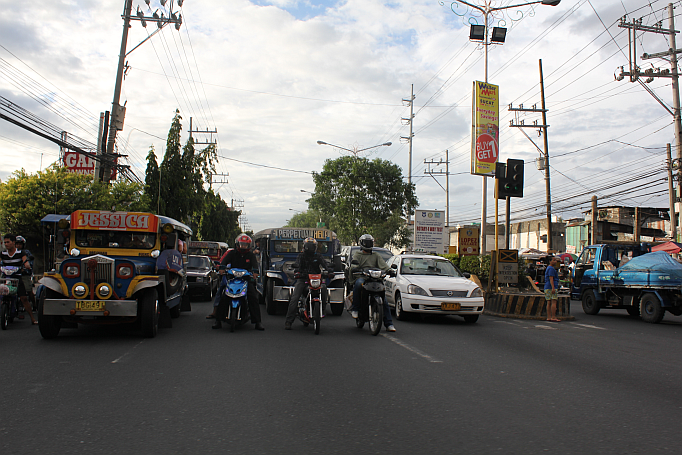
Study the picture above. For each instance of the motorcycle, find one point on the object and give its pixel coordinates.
(371, 307)
(9, 308)
(236, 282)
(310, 307)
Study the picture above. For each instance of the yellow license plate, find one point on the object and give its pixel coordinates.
(450, 306)
(89, 305)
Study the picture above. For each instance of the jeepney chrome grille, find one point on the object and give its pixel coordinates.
(104, 271)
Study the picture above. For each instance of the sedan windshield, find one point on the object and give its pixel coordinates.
(198, 263)
(428, 266)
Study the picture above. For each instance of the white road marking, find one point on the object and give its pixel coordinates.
(412, 349)
(589, 326)
(117, 360)
(545, 327)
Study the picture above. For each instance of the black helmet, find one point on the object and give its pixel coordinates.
(366, 242)
(20, 239)
(242, 243)
(309, 246)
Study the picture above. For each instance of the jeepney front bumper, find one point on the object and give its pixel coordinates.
(64, 307)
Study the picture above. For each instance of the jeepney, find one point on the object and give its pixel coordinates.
(279, 248)
(213, 250)
(116, 268)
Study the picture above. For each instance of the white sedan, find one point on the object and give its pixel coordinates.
(431, 285)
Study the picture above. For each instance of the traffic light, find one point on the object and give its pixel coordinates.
(513, 183)
(501, 176)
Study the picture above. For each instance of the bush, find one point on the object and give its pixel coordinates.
(476, 265)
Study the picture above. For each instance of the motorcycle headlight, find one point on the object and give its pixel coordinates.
(414, 289)
(376, 274)
(477, 293)
(239, 273)
(315, 283)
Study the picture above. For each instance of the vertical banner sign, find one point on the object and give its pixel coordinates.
(468, 242)
(429, 231)
(485, 137)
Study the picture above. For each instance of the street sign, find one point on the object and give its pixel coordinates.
(429, 231)
(468, 242)
(508, 266)
(509, 256)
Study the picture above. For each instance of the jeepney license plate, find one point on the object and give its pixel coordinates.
(450, 306)
(89, 305)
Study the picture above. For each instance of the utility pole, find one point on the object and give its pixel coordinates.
(409, 141)
(593, 223)
(431, 172)
(671, 193)
(542, 129)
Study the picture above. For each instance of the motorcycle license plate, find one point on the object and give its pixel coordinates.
(450, 306)
(89, 305)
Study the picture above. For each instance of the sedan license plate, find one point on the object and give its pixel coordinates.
(450, 306)
(89, 305)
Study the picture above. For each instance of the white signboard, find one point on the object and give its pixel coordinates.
(507, 272)
(429, 231)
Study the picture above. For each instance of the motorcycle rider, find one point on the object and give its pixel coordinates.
(17, 258)
(241, 257)
(27, 277)
(368, 259)
(309, 261)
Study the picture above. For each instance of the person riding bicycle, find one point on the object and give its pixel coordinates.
(241, 258)
(309, 261)
(17, 258)
(27, 276)
(368, 259)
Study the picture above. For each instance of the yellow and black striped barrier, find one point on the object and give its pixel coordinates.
(525, 306)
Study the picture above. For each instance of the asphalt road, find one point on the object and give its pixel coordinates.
(605, 384)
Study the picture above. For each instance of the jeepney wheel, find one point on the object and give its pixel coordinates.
(270, 306)
(651, 309)
(590, 304)
(149, 312)
(49, 326)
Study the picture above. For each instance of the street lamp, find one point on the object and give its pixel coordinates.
(486, 7)
(355, 151)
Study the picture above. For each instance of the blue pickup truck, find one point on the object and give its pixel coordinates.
(630, 277)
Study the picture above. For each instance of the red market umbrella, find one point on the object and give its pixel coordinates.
(668, 247)
(569, 256)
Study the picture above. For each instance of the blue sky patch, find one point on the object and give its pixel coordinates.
(300, 9)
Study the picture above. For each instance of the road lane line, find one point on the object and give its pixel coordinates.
(411, 349)
(589, 326)
(117, 360)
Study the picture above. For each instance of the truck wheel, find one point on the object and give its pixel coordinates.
(270, 306)
(651, 309)
(148, 304)
(590, 304)
(633, 311)
(49, 326)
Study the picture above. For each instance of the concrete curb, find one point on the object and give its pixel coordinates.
(525, 306)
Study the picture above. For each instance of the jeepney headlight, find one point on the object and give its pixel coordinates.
(103, 291)
(315, 283)
(376, 274)
(72, 271)
(75, 252)
(155, 253)
(124, 271)
(79, 290)
(477, 293)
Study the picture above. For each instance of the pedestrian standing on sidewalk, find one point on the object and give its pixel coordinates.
(551, 289)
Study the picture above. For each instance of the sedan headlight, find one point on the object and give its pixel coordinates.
(476, 293)
(414, 289)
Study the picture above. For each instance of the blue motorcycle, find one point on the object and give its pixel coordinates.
(236, 283)
(9, 284)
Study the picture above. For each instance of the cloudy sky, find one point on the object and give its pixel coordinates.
(275, 76)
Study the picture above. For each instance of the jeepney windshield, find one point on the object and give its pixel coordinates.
(296, 246)
(204, 251)
(115, 239)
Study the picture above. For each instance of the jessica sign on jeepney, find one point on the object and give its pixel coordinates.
(485, 138)
(114, 221)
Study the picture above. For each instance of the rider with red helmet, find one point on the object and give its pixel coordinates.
(241, 257)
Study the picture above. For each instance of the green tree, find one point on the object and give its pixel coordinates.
(360, 196)
(151, 181)
(306, 219)
(218, 222)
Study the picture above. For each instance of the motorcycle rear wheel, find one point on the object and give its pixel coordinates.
(4, 309)
(376, 315)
